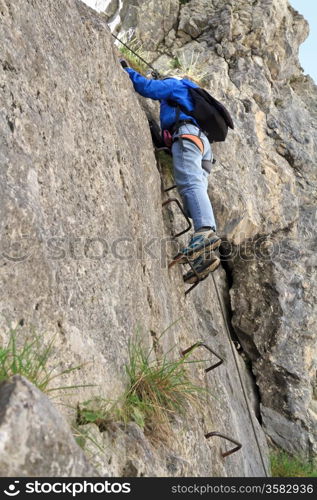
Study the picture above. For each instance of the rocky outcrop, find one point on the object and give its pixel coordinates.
(84, 241)
(34, 439)
(263, 186)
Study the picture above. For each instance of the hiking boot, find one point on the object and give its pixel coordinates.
(201, 243)
(203, 266)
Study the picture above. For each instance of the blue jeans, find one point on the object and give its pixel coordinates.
(191, 171)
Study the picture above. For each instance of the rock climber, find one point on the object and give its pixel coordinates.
(192, 160)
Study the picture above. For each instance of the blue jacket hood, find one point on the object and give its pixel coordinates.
(163, 91)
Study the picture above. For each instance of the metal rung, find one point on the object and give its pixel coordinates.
(175, 200)
(226, 453)
(192, 287)
(163, 148)
(199, 279)
(170, 188)
(202, 344)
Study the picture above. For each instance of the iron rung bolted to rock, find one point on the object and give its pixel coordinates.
(202, 344)
(175, 200)
(226, 453)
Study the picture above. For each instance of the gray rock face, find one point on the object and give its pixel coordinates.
(35, 440)
(150, 22)
(280, 429)
(263, 188)
(112, 8)
(84, 238)
(82, 233)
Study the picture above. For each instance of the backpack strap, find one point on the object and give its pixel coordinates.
(179, 108)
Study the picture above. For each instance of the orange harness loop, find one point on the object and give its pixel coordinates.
(195, 139)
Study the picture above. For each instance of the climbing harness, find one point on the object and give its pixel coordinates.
(192, 138)
(155, 74)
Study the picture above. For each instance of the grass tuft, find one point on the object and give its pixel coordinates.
(175, 63)
(285, 465)
(30, 358)
(190, 66)
(134, 61)
(156, 390)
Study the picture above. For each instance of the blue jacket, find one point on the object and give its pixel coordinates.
(162, 90)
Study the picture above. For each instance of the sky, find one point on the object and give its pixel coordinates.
(307, 51)
(308, 8)
(97, 4)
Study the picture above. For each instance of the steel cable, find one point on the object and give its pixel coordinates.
(240, 376)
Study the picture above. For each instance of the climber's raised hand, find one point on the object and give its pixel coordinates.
(123, 63)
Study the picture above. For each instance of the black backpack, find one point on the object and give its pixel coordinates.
(212, 117)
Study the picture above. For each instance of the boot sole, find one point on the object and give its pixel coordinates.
(182, 259)
(192, 278)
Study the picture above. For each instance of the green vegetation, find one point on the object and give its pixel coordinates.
(30, 358)
(285, 465)
(132, 59)
(175, 63)
(98, 411)
(191, 66)
(188, 65)
(91, 442)
(156, 390)
(166, 164)
(84, 437)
